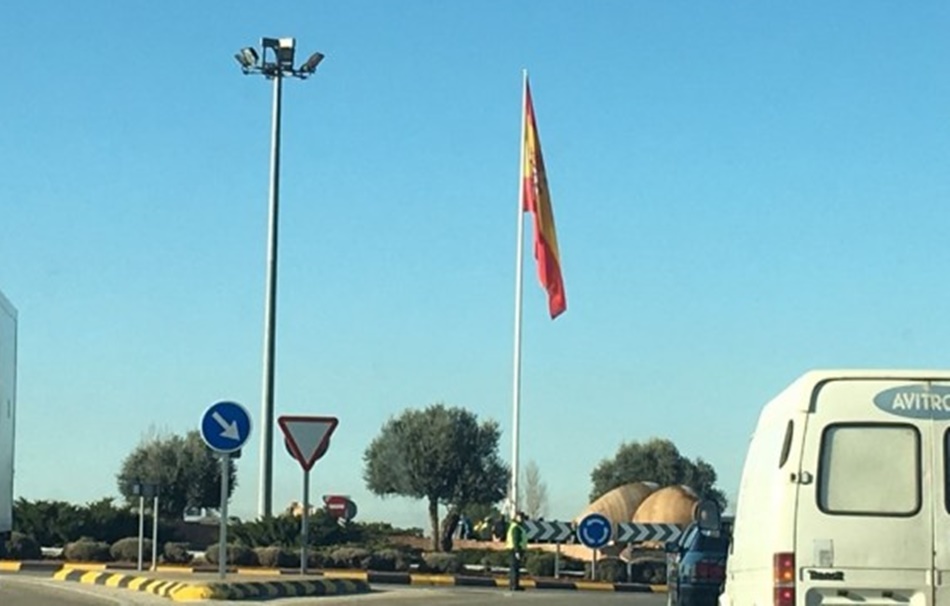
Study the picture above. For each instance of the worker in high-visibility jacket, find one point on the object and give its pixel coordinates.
(517, 544)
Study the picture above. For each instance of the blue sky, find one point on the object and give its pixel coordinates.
(742, 191)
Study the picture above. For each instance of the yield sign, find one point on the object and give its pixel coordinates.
(307, 437)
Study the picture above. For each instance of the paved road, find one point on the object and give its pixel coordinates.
(29, 591)
(458, 596)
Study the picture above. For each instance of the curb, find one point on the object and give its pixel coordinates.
(405, 578)
(8, 566)
(363, 577)
(178, 591)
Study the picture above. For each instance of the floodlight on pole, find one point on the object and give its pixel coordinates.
(275, 62)
(247, 57)
(310, 65)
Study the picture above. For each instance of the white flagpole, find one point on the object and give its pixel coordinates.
(519, 263)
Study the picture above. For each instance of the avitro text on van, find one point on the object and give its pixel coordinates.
(845, 494)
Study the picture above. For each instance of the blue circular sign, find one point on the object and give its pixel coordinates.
(595, 530)
(225, 427)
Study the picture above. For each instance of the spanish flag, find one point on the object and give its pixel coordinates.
(537, 200)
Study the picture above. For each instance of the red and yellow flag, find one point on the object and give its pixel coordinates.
(537, 200)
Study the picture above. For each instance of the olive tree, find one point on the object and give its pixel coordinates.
(187, 471)
(440, 454)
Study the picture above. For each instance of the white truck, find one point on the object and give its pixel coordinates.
(8, 318)
(845, 494)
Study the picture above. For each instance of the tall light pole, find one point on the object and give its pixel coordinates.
(275, 62)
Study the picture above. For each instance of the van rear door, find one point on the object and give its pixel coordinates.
(867, 496)
(942, 508)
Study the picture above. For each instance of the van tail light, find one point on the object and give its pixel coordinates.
(783, 579)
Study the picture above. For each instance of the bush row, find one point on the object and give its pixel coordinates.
(339, 557)
(124, 550)
(56, 523)
(24, 547)
(617, 571)
(538, 564)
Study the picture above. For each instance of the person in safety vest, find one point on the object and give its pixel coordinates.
(517, 543)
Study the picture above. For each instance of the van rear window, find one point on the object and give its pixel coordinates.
(869, 469)
(786, 443)
(946, 469)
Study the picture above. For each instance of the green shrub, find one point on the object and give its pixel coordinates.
(23, 547)
(611, 571)
(176, 553)
(315, 559)
(106, 521)
(474, 557)
(572, 565)
(349, 557)
(284, 531)
(278, 531)
(51, 523)
(495, 558)
(389, 560)
(55, 523)
(127, 550)
(540, 564)
(87, 550)
(447, 563)
(278, 557)
(375, 531)
(650, 571)
(238, 555)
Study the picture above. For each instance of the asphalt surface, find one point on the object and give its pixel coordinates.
(32, 591)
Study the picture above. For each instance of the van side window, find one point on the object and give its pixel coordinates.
(869, 469)
(946, 469)
(787, 444)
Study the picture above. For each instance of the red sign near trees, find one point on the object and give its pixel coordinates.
(340, 506)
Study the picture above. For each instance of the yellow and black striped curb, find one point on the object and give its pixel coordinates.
(406, 578)
(368, 577)
(191, 592)
(37, 566)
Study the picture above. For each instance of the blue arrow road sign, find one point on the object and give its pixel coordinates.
(225, 427)
(594, 530)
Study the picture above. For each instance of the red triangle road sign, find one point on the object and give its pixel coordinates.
(307, 437)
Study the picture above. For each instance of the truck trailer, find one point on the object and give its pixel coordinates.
(8, 336)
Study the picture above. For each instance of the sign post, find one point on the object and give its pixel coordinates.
(305, 524)
(307, 439)
(594, 531)
(155, 489)
(143, 490)
(223, 527)
(138, 489)
(141, 530)
(225, 427)
(550, 531)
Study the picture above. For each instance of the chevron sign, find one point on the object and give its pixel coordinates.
(544, 531)
(630, 532)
